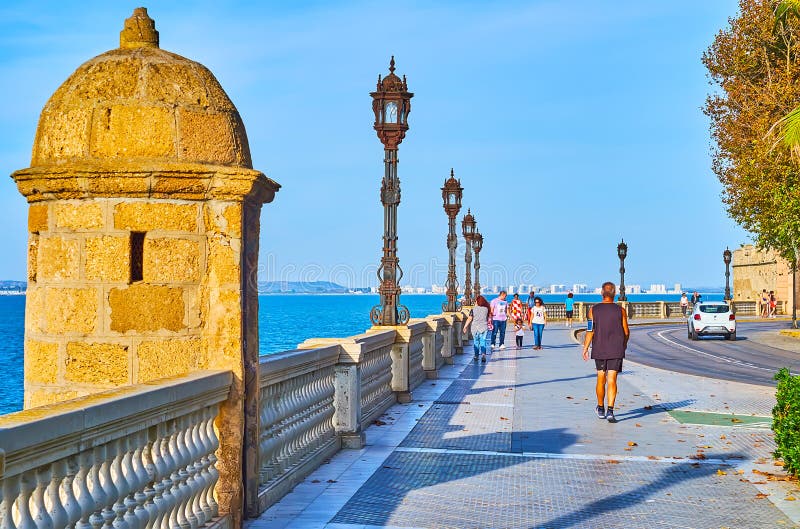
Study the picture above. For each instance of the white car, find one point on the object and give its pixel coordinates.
(711, 318)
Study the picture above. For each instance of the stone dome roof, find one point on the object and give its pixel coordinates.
(140, 105)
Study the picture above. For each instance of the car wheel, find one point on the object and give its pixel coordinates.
(731, 336)
(693, 334)
(688, 332)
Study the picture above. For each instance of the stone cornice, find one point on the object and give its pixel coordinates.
(159, 180)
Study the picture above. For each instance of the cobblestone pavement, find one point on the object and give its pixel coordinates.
(514, 443)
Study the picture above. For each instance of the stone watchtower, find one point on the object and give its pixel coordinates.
(143, 230)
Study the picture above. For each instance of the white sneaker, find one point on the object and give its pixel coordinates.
(502, 346)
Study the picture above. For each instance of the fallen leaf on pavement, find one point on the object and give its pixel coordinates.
(761, 495)
(721, 472)
(648, 407)
(790, 498)
(631, 443)
(638, 425)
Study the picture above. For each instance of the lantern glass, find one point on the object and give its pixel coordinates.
(390, 112)
(622, 250)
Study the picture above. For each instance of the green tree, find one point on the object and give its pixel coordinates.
(755, 66)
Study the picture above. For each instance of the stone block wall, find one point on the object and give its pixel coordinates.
(124, 291)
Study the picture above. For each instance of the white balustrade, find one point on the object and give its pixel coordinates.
(141, 457)
(376, 382)
(296, 417)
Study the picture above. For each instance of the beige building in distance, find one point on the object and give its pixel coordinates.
(754, 270)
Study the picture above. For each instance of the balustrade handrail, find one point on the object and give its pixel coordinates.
(31, 438)
(139, 457)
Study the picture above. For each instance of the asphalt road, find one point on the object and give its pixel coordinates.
(743, 360)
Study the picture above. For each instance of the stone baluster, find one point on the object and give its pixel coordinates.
(40, 514)
(212, 468)
(176, 516)
(137, 499)
(121, 484)
(84, 494)
(10, 492)
(27, 484)
(192, 485)
(71, 504)
(53, 504)
(184, 457)
(205, 443)
(109, 490)
(164, 464)
(154, 480)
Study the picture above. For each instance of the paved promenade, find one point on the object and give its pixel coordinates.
(514, 443)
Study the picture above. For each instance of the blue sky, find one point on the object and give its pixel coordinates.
(570, 125)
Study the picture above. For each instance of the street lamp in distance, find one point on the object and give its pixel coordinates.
(727, 257)
(451, 195)
(391, 103)
(622, 253)
(468, 224)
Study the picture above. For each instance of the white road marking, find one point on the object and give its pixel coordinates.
(723, 358)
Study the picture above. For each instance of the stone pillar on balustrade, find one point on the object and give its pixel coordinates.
(143, 230)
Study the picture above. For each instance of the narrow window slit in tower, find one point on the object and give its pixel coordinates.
(137, 255)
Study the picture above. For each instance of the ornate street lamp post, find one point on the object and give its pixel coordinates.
(451, 194)
(726, 257)
(477, 246)
(468, 229)
(622, 252)
(391, 103)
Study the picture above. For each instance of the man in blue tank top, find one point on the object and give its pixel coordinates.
(607, 333)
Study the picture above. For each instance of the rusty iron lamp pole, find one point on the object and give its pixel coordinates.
(451, 195)
(477, 246)
(468, 230)
(391, 103)
(622, 252)
(727, 256)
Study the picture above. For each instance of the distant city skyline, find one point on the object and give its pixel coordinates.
(570, 127)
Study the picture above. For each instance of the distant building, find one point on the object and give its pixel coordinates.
(633, 289)
(580, 288)
(657, 288)
(556, 289)
(438, 289)
(753, 270)
(677, 289)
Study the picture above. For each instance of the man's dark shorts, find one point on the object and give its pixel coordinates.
(569, 314)
(612, 364)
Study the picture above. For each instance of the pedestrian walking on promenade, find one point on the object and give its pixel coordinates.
(569, 308)
(538, 321)
(498, 308)
(764, 303)
(773, 304)
(607, 333)
(479, 319)
(684, 304)
(696, 298)
(515, 311)
(519, 334)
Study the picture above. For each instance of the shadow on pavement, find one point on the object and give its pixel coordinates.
(645, 411)
(670, 476)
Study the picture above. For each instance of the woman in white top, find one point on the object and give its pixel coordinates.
(538, 321)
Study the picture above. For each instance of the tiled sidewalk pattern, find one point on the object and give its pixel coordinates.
(513, 443)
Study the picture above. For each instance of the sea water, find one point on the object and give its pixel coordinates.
(284, 320)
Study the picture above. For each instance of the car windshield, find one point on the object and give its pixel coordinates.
(714, 309)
